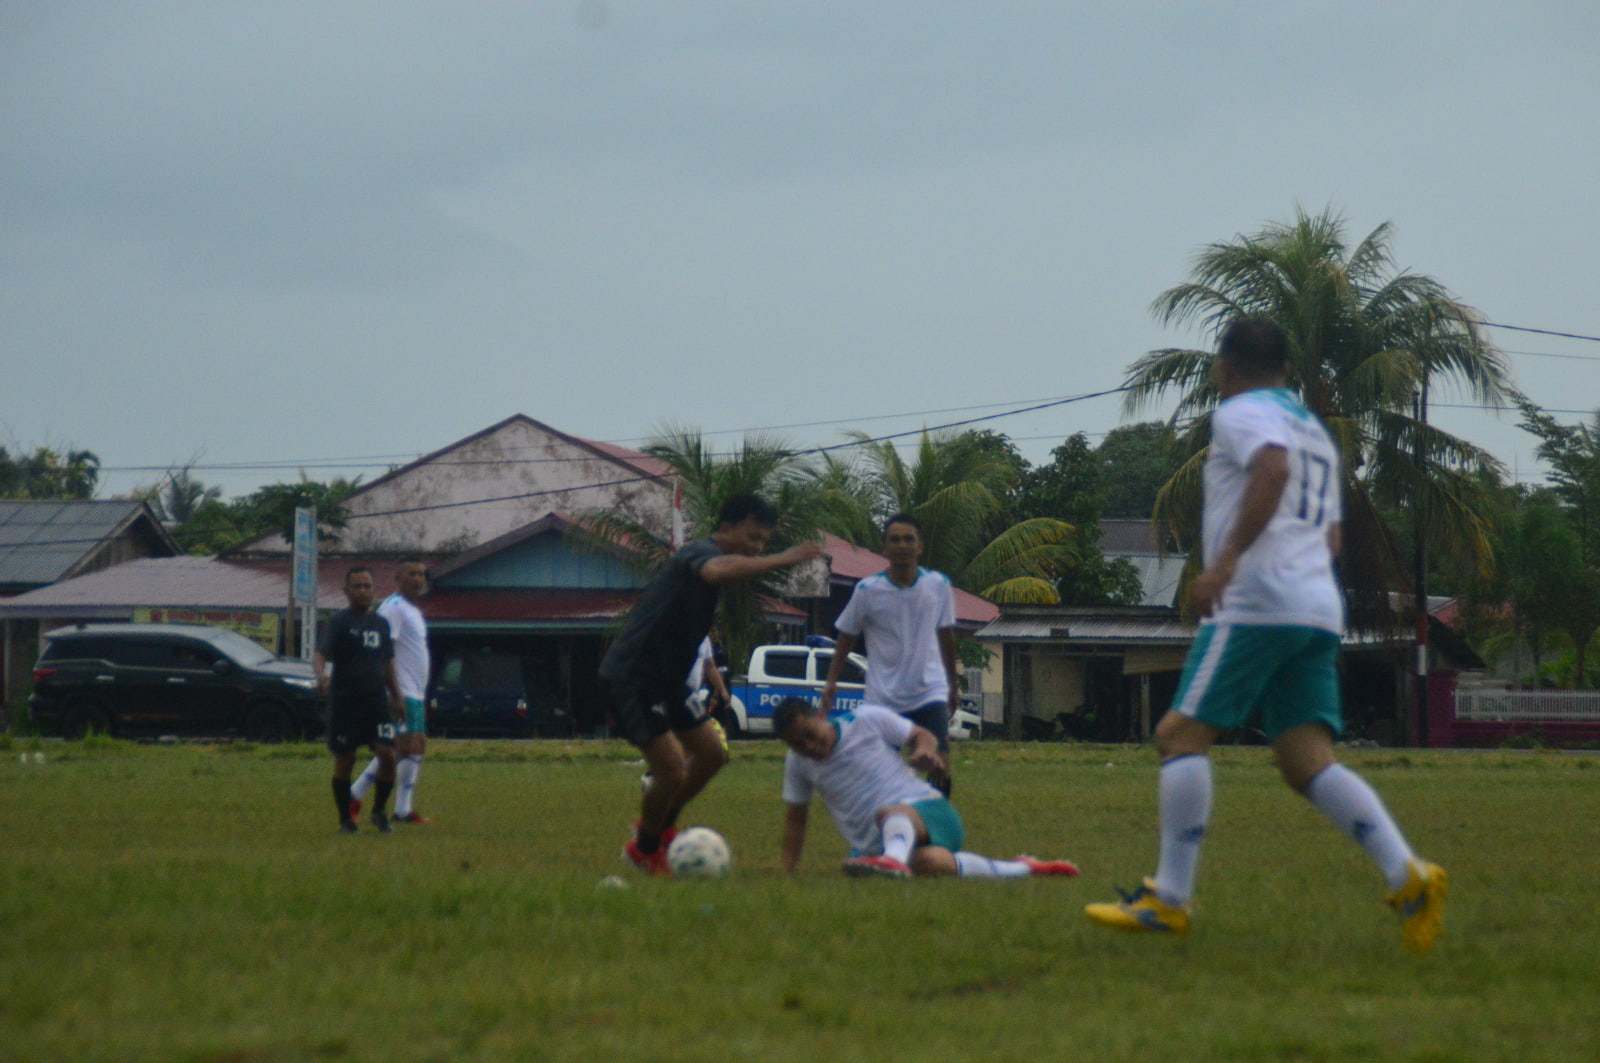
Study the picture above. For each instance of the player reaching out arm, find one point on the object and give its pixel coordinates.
(644, 671)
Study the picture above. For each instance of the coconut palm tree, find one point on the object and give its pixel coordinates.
(1365, 339)
(763, 465)
(956, 486)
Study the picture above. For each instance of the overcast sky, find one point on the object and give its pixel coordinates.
(290, 233)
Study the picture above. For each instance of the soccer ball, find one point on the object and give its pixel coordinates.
(699, 852)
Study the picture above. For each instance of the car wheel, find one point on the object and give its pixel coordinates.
(84, 718)
(269, 722)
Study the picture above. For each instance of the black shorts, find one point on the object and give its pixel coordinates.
(935, 717)
(641, 717)
(356, 720)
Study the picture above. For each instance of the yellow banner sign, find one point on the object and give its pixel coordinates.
(259, 624)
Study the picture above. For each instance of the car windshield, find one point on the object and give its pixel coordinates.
(241, 649)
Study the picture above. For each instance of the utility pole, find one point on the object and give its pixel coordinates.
(1419, 402)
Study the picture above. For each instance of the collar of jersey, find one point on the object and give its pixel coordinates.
(921, 571)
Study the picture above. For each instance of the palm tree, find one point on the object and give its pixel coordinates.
(1365, 338)
(956, 487)
(180, 498)
(763, 465)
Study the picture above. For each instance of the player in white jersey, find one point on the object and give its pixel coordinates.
(411, 665)
(907, 615)
(1269, 642)
(897, 824)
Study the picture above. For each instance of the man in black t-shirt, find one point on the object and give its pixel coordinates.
(364, 701)
(645, 671)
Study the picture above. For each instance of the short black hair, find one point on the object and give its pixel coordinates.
(1256, 345)
(903, 518)
(742, 507)
(353, 571)
(789, 712)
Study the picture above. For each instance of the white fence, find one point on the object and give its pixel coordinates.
(1533, 706)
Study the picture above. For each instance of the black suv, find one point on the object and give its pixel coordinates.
(128, 679)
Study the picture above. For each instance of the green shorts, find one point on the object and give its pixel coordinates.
(1289, 675)
(943, 823)
(416, 722)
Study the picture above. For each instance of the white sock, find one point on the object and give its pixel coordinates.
(1357, 810)
(1185, 799)
(971, 865)
(405, 776)
(364, 781)
(898, 838)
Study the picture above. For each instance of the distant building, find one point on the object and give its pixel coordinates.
(499, 519)
(45, 542)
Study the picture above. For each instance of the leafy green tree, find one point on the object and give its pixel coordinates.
(1136, 460)
(46, 473)
(215, 527)
(1072, 488)
(271, 508)
(1364, 338)
(1573, 454)
(1540, 591)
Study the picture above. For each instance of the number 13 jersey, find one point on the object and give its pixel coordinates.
(1286, 575)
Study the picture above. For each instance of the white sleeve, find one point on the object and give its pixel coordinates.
(947, 606)
(796, 781)
(1245, 427)
(849, 622)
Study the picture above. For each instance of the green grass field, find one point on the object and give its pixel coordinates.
(195, 903)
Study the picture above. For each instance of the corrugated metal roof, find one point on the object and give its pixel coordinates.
(1067, 626)
(42, 542)
(159, 581)
(1158, 577)
(1099, 628)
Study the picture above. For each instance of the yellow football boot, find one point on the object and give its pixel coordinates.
(1420, 903)
(1141, 912)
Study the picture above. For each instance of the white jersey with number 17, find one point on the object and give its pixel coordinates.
(1286, 575)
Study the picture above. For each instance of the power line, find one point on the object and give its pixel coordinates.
(1501, 409)
(797, 454)
(1543, 331)
(1571, 357)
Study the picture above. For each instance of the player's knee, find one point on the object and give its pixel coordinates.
(715, 758)
(671, 776)
(931, 860)
(1179, 736)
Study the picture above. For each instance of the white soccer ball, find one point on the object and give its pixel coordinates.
(699, 852)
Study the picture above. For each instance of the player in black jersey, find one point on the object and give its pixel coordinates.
(644, 672)
(364, 701)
